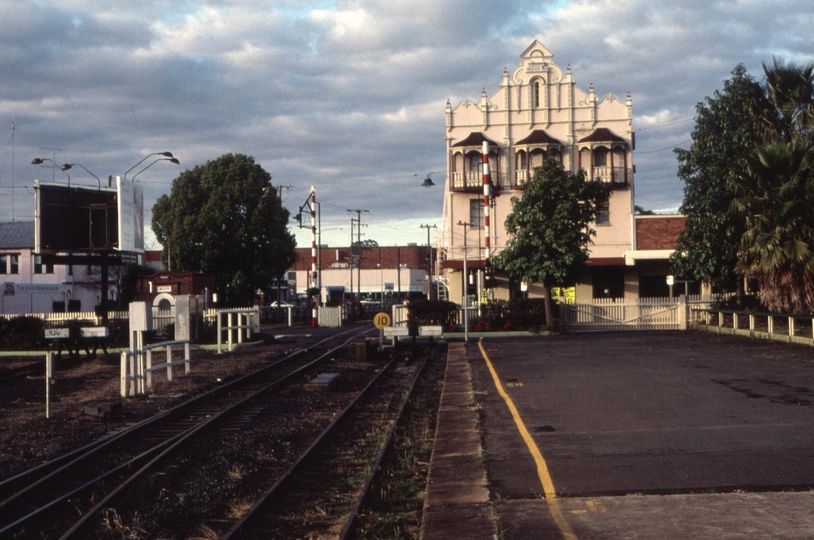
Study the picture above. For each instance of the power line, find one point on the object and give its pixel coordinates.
(663, 149)
(670, 123)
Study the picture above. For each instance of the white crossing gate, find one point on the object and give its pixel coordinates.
(603, 315)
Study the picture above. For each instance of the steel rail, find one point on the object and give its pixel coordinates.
(244, 521)
(347, 529)
(92, 449)
(26, 478)
(189, 434)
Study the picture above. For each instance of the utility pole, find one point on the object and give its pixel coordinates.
(429, 260)
(465, 302)
(358, 221)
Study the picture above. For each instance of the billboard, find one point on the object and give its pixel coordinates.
(74, 218)
(87, 218)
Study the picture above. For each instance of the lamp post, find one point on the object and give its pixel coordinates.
(165, 154)
(465, 302)
(429, 263)
(312, 204)
(63, 168)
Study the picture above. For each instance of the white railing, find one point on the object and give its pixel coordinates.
(237, 321)
(474, 180)
(763, 325)
(613, 175)
(140, 364)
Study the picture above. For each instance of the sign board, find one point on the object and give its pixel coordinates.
(164, 288)
(430, 330)
(391, 331)
(670, 280)
(74, 218)
(381, 320)
(130, 215)
(57, 333)
(94, 331)
(141, 317)
(10, 288)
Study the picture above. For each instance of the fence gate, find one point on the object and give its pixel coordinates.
(610, 315)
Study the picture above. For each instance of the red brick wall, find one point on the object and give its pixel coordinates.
(658, 232)
(391, 257)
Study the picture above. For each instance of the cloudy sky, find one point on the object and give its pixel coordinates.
(347, 95)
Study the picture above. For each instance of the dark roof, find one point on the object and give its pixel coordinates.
(17, 235)
(538, 136)
(602, 135)
(475, 138)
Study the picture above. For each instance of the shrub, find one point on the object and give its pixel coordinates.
(432, 312)
(516, 314)
(21, 333)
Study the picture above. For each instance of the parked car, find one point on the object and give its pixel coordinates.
(281, 304)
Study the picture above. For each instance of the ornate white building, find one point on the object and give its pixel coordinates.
(539, 110)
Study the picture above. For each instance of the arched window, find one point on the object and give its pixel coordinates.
(521, 160)
(475, 162)
(601, 157)
(536, 94)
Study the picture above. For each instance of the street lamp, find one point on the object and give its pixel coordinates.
(427, 183)
(465, 302)
(165, 154)
(170, 159)
(69, 165)
(63, 168)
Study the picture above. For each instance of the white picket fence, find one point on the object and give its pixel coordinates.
(611, 314)
(161, 317)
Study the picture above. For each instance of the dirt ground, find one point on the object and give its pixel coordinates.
(28, 438)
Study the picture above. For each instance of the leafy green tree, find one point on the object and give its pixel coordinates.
(550, 228)
(217, 219)
(728, 126)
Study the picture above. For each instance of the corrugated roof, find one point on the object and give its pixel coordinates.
(538, 136)
(17, 235)
(602, 135)
(476, 138)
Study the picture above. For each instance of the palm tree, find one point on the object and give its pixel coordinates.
(790, 88)
(775, 198)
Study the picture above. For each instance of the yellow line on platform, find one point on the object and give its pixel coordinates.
(542, 468)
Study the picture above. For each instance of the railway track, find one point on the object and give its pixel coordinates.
(320, 495)
(62, 497)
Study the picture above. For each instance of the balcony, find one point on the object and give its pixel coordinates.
(618, 176)
(472, 182)
(521, 176)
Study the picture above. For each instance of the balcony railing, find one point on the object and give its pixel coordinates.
(614, 175)
(473, 181)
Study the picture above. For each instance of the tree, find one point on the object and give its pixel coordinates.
(217, 219)
(775, 193)
(775, 198)
(550, 228)
(728, 126)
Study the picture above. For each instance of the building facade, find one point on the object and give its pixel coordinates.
(28, 286)
(374, 273)
(539, 111)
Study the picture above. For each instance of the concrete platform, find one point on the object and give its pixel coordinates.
(663, 435)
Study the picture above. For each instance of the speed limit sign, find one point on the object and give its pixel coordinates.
(381, 320)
